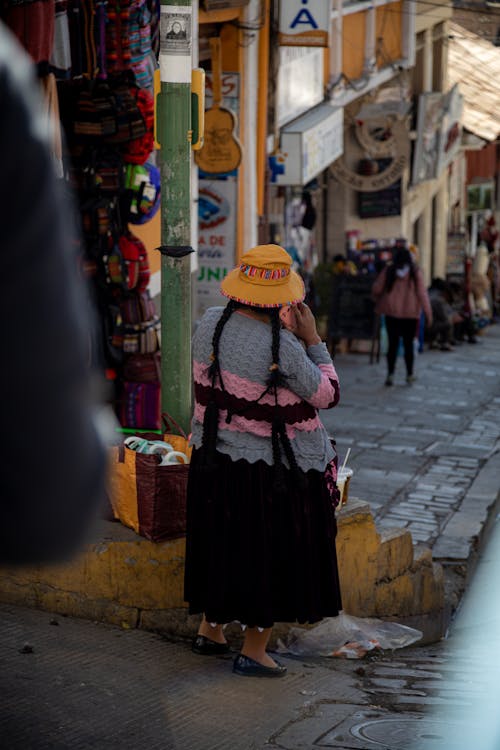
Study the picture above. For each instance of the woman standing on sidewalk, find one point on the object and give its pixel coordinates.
(261, 525)
(400, 294)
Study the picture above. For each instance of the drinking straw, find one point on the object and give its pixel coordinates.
(345, 459)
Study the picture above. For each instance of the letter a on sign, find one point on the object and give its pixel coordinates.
(304, 17)
(304, 23)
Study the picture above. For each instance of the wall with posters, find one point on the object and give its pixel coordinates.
(217, 215)
(216, 241)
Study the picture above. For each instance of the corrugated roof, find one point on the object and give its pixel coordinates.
(474, 64)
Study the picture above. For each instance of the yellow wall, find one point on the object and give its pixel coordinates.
(388, 27)
(353, 52)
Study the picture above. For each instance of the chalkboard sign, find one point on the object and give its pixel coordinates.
(385, 202)
(353, 314)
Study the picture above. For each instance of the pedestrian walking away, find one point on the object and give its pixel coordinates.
(261, 494)
(400, 295)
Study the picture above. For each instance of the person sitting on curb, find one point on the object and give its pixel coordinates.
(466, 325)
(440, 334)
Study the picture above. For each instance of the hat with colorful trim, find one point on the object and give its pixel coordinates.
(264, 278)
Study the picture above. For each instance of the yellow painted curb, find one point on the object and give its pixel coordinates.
(124, 579)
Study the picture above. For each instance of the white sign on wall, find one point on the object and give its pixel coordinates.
(304, 22)
(450, 137)
(300, 82)
(439, 133)
(311, 144)
(216, 240)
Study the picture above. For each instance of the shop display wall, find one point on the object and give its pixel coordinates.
(103, 56)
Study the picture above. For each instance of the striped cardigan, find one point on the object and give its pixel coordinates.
(245, 423)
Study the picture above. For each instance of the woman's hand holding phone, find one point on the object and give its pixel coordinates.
(287, 317)
(300, 321)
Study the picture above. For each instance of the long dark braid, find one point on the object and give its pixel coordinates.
(214, 369)
(211, 416)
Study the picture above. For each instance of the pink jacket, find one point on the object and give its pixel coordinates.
(405, 300)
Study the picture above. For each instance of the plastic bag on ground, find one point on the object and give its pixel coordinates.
(348, 637)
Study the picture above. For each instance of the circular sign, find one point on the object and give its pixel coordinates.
(396, 145)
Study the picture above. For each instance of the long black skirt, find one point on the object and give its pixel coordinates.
(258, 557)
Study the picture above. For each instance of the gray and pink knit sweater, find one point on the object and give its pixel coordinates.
(245, 358)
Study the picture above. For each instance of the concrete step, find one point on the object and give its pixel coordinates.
(126, 580)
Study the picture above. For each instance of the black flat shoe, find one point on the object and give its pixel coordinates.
(248, 667)
(206, 647)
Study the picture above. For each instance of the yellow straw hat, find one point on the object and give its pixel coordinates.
(264, 278)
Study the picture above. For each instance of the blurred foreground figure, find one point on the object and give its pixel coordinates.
(51, 457)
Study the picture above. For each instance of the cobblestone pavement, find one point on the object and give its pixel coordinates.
(416, 450)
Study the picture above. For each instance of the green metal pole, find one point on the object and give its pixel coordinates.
(174, 137)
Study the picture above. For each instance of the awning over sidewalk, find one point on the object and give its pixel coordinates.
(474, 64)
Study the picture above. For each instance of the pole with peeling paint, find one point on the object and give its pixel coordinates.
(173, 129)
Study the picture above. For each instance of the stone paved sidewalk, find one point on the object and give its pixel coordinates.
(417, 450)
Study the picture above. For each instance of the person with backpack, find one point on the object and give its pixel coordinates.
(261, 494)
(400, 295)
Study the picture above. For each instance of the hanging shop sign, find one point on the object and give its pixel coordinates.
(310, 144)
(438, 133)
(304, 23)
(427, 147)
(216, 240)
(300, 82)
(380, 138)
(450, 136)
(230, 91)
